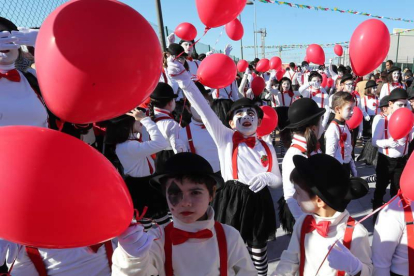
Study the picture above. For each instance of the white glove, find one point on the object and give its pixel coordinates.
(228, 49)
(179, 146)
(176, 69)
(401, 142)
(8, 42)
(10, 249)
(342, 259)
(171, 38)
(209, 53)
(367, 118)
(26, 36)
(135, 242)
(390, 143)
(354, 171)
(262, 180)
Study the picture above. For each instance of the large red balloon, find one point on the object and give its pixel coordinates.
(216, 13)
(280, 73)
(306, 59)
(258, 85)
(275, 63)
(401, 123)
(234, 30)
(338, 50)
(315, 54)
(407, 179)
(242, 65)
(217, 71)
(186, 31)
(356, 118)
(90, 76)
(269, 121)
(57, 191)
(368, 46)
(263, 65)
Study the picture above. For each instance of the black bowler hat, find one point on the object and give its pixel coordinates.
(7, 25)
(346, 77)
(163, 91)
(244, 102)
(370, 84)
(176, 49)
(303, 111)
(282, 115)
(394, 68)
(326, 177)
(398, 94)
(384, 101)
(185, 163)
(410, 92)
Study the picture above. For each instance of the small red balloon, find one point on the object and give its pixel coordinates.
(324, 80)
(217, 71)
(263, 65)
(315, 54)
(216, 13)
(57, 191)
(356, 118)
(186, 31)
(330, 82)
(401, 123)
(280, 74)
(275, 63)
(407, 179)
(258, 85)
(242, 65)
(269, 121)
(234, 30)
(338, 50)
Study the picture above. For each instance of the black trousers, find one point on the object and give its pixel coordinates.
(388, 169)
(347, 167)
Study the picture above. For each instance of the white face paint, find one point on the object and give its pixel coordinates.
(395, 76)
(8, 57)
(349, 86)
(187, 47)
(347, 111)
(306, 204)
(305, 68)
(316, 82)
(285, 86)
(246, 120)
(399, 104)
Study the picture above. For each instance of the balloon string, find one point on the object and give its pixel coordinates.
(192, 45)
(358, 222)
(217, 40)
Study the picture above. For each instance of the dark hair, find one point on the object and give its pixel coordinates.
(120, 131)
(304, 63)
(342, 69)
(201, 57)
(282, 80)
(334, 68)
(314, 74)
(368, 91)
(390, 79)
(292, 65)
(408, 73)
(390, 62)
(340, 98)
(297, 179)
(156, 103)
(194, 178)
(310, 136)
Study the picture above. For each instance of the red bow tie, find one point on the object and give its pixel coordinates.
(316, 93)
(321, 227)
(179, 236)
(238, 138)
(12, 75)
(371, 96)
(190, 58)
(289, 92)
(396, 84)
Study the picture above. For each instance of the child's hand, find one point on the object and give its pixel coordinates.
(8, 42)
(26, 36)
(340, 258)
(134, 241)
(137, 114)
(175, 68)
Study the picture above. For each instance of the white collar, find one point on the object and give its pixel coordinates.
(198, 225)
(158, 110)
(6, 68)
(299, 140)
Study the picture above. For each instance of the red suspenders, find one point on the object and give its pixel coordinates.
(409, 222)
(190, 138)
(341, 142)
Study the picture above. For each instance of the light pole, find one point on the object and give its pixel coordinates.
(248, 2)
(255, 27)
(160, 24)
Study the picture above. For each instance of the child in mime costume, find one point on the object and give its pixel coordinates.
(248, 165)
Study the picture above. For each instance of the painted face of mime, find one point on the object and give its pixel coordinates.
(246, 120)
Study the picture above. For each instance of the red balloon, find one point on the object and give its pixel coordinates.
(407, 179)
(324, 80)
(92, 76)
(275, 63)
(338, 50)
(242, 65)
(280, 74)
(306, 59)
(401, 123)
(186, 31)
(356, 118)
(254, 75)
(57, 191)
(258, 85)
(216, 13)
(330, 82)
(263, 65)
(368, 46)
(234, 30)
(217, 71)
(315, 54)
(269, 121)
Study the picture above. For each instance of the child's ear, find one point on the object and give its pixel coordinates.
(319, 202)
(232, 125)
(214, 193)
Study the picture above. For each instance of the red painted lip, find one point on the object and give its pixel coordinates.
(186, 213)
(246, 124)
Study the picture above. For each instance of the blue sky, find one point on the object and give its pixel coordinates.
(284, 25)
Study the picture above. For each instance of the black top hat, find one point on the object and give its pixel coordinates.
(326, 177)
(303, 111)
(185, 163)
(410, 92)
(346, 78)
(176, 49)
(244, 102)
(384, 101)
(282, 115)
(163, 91)
(370, 84)
(7, 25)
(398, 94)
(394, 68)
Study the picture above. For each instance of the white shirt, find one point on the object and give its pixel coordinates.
(321, 99)
(292, 75)
(169, 129)
(194, 257)
(249, 160)
(193, 67)
(378, 138)
(65, 262)
(369, 106)
(203, 143)
(332, 137)
(20, 105)
(229, 92)
(134, 155)
(389, 245)
(387, 89)
(316, 248)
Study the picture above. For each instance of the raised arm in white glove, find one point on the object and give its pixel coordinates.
(9, 249)
(227, 49)
(135, 242)
(367, 118)
(171, 38)
(262, 180)
(7, 42)
(26, 36)
(342, 259)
